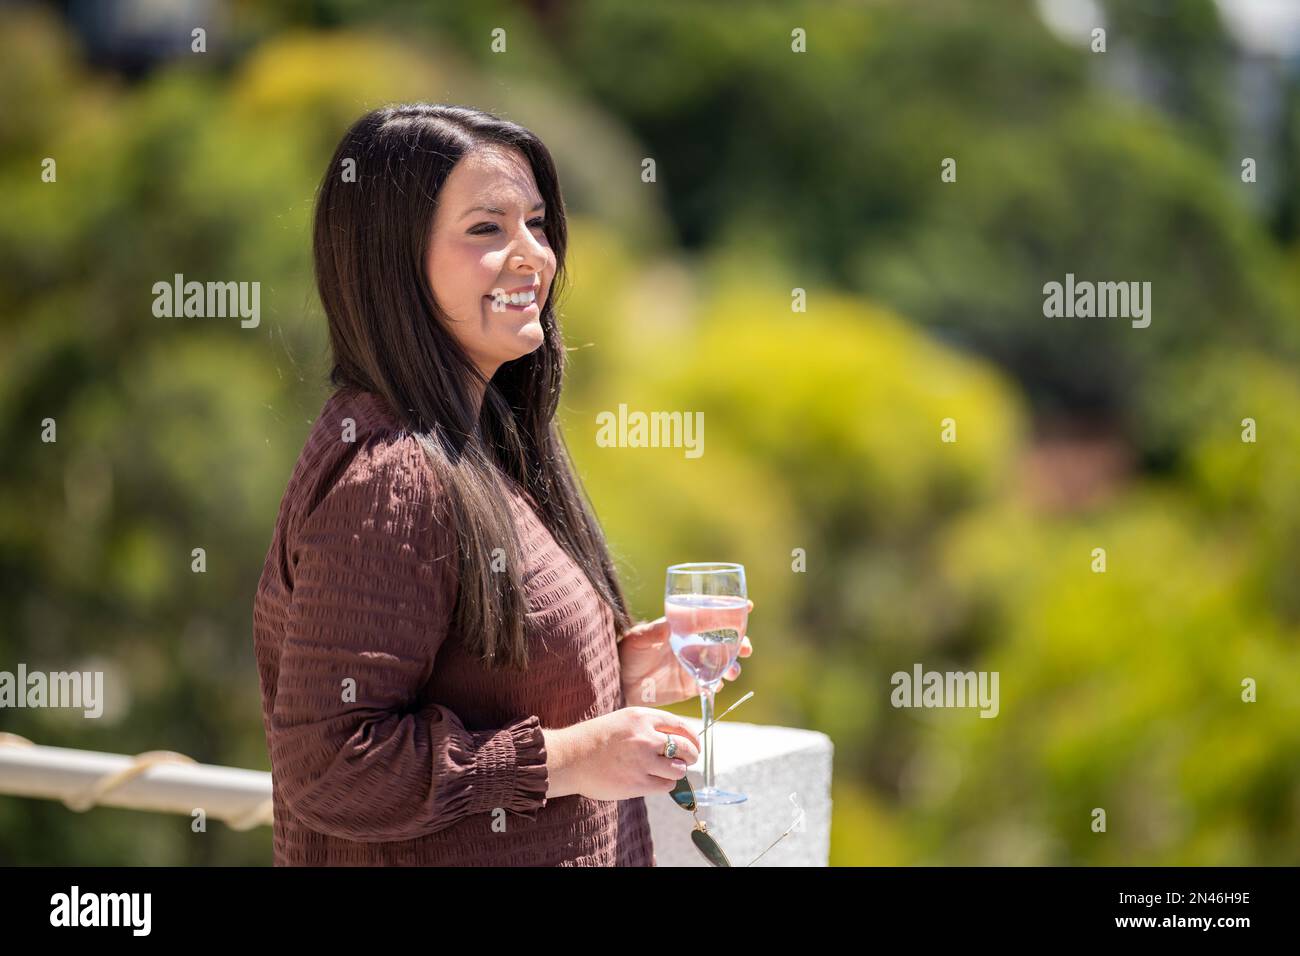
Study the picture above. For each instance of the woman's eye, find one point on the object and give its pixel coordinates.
(491, 227)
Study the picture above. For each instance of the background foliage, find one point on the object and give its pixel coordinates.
(1119, 690)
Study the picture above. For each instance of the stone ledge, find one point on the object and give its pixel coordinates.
(782, 770)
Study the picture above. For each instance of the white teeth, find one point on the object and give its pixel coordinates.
(513, 298)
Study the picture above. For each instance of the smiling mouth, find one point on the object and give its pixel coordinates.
(504, 305)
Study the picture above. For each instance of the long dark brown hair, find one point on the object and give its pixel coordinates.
(370, 241)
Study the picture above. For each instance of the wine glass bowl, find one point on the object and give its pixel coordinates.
(706, 633)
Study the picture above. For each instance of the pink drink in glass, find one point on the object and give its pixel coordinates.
(706, 632)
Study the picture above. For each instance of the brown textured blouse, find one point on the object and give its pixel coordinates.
(389, 742)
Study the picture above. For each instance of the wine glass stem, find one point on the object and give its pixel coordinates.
(706, 704)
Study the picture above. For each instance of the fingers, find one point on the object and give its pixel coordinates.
(657, 629)
(688, 751)
(681, 731)
(688, 745)
(656, 782)
(672, 770)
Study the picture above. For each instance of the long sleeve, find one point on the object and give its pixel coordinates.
(354, 751)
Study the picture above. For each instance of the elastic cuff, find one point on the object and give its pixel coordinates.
(512, 771)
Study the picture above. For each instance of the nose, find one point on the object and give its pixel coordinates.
(527, 252)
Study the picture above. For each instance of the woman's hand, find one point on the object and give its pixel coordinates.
(645, 654)
(619, 755)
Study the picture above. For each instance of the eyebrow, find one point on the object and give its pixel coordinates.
(494, 209)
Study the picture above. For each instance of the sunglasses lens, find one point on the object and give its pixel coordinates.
(709, 847)
(683, 795)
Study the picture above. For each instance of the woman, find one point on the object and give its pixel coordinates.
(438, 621)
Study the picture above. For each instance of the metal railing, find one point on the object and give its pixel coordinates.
(161, 781)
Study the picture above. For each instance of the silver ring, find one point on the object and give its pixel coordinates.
(670, 747)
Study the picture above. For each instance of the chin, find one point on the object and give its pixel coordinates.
(528, 340)
(533, 334)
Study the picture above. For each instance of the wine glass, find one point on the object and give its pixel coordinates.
(707, 610)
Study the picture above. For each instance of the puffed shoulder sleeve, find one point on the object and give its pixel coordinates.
(353, 751)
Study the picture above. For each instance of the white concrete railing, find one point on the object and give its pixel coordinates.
(785, 772)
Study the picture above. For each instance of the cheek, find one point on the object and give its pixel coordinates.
(460, 278)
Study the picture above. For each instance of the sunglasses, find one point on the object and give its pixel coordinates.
(684, 796)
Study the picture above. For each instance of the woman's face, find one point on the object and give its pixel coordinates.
(478, 257)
